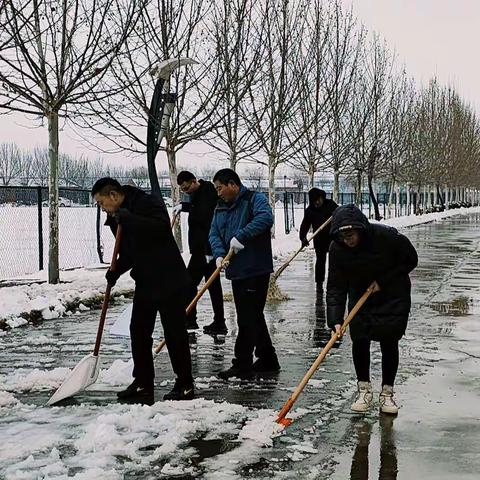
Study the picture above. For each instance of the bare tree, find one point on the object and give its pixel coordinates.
(313, 105)
(343, 53)
(232, 30)
(52, 59)
(10, 162)
(274, 98)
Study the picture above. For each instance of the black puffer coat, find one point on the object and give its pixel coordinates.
(148, 247)
(315, 217)
(200, 213)
(383, 255)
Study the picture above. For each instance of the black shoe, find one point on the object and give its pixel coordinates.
(269, 365)
(192, 325)
(180, 391)
(237, 372)
(136, 390)
(216, 328)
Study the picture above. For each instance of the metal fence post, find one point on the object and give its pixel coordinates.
(40, 228)
(99, 243)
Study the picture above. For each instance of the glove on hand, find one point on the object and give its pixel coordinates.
(219, 261)
(236, 245)
(177, 209)
(208, 258)
(111, 277)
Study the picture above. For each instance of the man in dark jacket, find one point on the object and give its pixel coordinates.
(319, 210)
(360, 254)
(242, 222)
(200, 208)
(149, 250)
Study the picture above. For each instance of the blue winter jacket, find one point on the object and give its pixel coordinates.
(249, 219)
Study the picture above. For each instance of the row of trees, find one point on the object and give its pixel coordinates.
(280, 82)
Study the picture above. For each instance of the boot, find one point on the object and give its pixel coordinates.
(364, 398)
(387, 402)
(136, 391)
(237, 372)
(216, 328)
(266, 365)
(180, 391)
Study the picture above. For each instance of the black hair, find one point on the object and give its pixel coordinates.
(105, 185)
(227, 175)
(185, 176)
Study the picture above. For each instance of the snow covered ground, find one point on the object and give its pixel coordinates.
(228, 431)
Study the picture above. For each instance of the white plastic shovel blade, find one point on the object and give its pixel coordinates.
(121, 327)
(84, 374)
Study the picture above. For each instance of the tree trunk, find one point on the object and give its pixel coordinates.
(408, 206)
(374, 199)
(53, 263)
(233, 160)
(358, 190)
(390, 197)
(271, 188)
(175, 189)
(336, 184)
(398, 204)
(311, 179)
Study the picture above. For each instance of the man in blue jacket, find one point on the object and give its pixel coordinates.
(242, 221)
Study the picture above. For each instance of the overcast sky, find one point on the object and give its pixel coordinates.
(432, 37)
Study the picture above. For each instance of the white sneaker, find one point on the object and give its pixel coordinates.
(387, 403)
(364, 399)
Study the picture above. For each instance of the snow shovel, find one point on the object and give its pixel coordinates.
(289, 403)
(197, 297)
(86, 371)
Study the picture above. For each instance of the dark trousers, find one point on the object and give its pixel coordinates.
(198, 268)
(320, 266)
(146, 303)
(361, 360)
(250, 295)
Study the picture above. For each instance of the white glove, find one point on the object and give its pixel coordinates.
(236, 245)
(177, 209)
(208, 258)
(219, 261)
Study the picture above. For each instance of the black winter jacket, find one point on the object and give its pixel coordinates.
(147, 246)
(200, 209)
(384, 255)
(314, 217)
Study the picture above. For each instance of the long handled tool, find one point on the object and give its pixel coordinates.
(197, 297)
(312, 236)
(175, 217)
(335, 336)
(86, 371)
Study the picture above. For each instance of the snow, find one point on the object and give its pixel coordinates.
(142, 436)
(83, 284)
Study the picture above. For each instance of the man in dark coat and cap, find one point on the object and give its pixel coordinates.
(319, 210)
(148, 249)
(360, 254)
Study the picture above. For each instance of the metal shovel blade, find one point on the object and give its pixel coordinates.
(84, 374)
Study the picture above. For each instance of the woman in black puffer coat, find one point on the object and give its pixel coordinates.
(360, 254)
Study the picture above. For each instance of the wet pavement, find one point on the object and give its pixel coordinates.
(436, 434)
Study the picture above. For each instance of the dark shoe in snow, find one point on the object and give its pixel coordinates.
(136, 391)
(237, 372)
(215, 328)
(192, 325)
(180, 391)
(263, 365)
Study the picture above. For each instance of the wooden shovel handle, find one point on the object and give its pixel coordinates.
(312, 236)
(106, 299)
(197, 297)
(289, 403)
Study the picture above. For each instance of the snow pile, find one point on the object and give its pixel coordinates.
(51, 301)
(23, 380)
(99, 442)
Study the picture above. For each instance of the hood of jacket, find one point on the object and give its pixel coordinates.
(348, 217)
